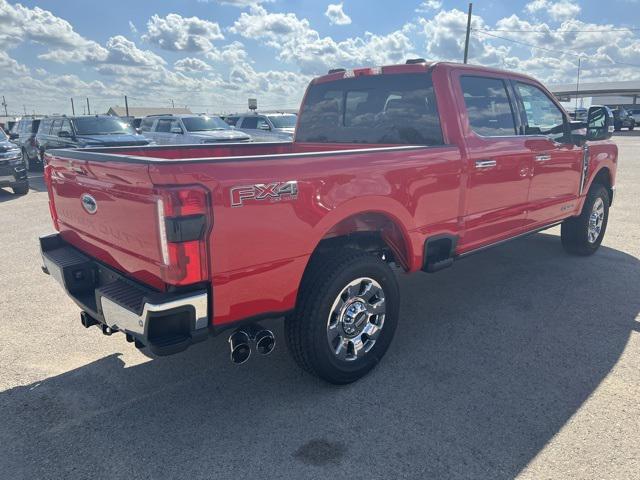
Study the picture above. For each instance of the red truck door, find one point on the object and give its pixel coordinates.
(555, 174)
(498, 162)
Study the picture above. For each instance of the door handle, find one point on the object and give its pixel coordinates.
(481, 164)
(543, 158)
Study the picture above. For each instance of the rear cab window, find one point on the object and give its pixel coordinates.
(392, 109)
(488, 106)
(147, 124)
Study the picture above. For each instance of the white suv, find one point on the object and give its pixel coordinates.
(189, 129)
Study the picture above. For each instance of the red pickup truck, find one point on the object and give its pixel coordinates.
(407, 166)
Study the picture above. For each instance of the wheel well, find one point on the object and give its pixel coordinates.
(603, 177)
(374, 232)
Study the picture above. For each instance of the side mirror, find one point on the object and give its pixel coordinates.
(264, 126)
(599, 123)
(13, 136)
(64, 134)
(176, 130)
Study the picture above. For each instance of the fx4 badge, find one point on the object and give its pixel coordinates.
(264, 191)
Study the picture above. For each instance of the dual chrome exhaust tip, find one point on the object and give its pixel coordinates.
(242, 339)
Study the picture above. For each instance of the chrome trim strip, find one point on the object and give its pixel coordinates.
(500, 242)
(485, 163)
(117, 316)
(543, 158)
(585, 167)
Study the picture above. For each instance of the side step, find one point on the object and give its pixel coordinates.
(439, 252)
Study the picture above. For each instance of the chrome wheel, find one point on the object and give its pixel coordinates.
(596, 219)
(356, 319)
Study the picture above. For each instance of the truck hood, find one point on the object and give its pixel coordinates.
(6, 145)
(220, 136)
(112, 140)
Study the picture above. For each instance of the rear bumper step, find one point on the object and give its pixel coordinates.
(165, 322)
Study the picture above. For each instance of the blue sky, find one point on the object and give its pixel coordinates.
(211, 55)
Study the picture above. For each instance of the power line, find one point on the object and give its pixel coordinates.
(556, 30)
(566, 52)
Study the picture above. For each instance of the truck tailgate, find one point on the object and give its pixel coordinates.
(109, 211)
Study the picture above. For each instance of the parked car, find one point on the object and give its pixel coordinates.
(635, 112)
(413, 166)
(12, 169)
(579, 114)
(623, 119)
(23, 134)
(189, 129)
(86, 131)
(265, 127)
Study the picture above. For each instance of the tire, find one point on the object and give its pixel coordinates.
(338, 298)
(20, 188)
(633, 125)
(583, 235)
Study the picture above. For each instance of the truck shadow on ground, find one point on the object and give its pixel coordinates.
(490, 360)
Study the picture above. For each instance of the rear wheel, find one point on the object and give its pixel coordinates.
(345, 317)
(583, 235)
(20, 188)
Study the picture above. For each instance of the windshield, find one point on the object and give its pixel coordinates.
(203, 124)
(283, 121)
(379, 109)
(101, 126)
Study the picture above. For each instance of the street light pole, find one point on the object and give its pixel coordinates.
(466, 40)
(578, 83)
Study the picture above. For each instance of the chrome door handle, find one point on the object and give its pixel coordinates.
(485, 163)
(543, 158)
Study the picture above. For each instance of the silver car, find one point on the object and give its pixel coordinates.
(189, 129)
(265, 126)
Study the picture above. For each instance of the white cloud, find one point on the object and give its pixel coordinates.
(191, 64)
(296, 42)
(429, 5)
(335, 14)
(133, 28)
(559, 11)
(178, 33)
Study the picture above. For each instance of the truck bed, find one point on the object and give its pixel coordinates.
(208, 152)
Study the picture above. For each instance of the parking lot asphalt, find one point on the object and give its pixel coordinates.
(522, 361)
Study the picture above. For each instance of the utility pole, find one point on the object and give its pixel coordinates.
(172, 104)
(578, 83)
(24, 107)
(88, 109)
(126, 105)
(73, 109)
(466, 40)
(4, 104)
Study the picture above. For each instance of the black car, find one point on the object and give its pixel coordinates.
(623, 119)
(86, 131)
(23, 134)
(12, 169)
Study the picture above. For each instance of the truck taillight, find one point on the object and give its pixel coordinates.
(52, 207)
(183, 224)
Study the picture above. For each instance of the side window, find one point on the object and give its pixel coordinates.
(542, 116)
(146, 124)
(164, 125)
(66, 126)
(488, 106)
(250, 122)
(55, 127)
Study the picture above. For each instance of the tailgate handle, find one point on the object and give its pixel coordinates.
(480, 164)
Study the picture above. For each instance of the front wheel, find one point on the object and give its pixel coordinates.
(345, 317)
(20, 188)
(583, 235)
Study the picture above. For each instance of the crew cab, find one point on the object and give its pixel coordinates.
(189, 129)
(84, 131)
(401, 168)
